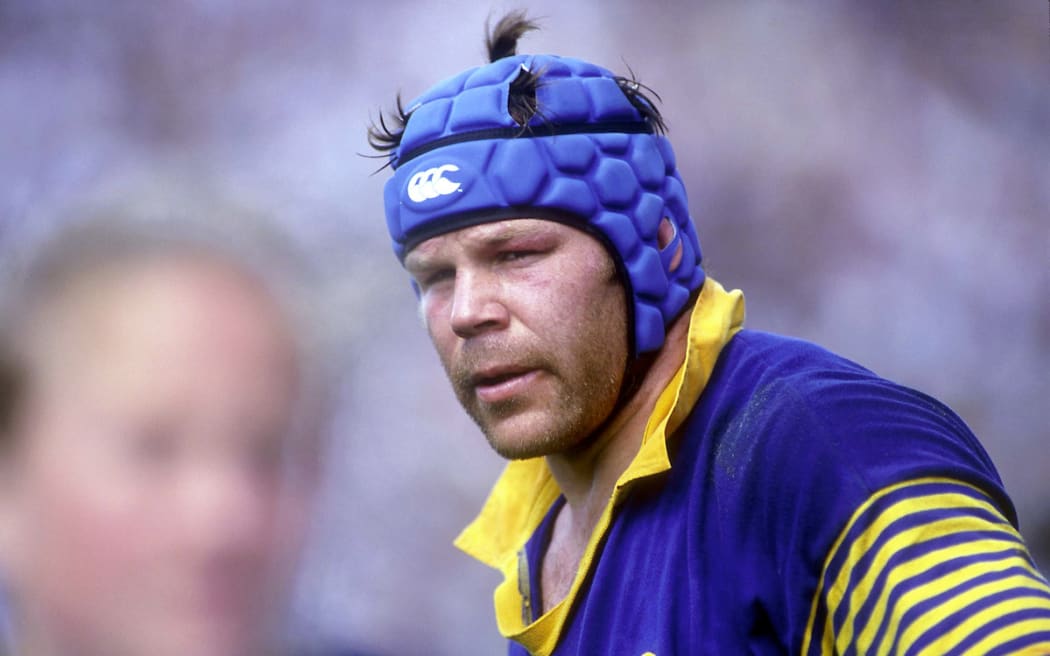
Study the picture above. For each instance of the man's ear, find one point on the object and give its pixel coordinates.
(665, 234)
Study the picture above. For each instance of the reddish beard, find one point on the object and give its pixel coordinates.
(578, 405)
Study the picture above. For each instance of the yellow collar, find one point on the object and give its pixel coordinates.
(525, 491)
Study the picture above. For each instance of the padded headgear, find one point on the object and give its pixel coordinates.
(588, 158)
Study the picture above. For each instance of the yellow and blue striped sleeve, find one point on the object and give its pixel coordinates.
(929, 566)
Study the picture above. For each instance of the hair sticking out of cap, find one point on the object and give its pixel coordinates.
(521, 97)
(384, 135)
(639, 95)
(502, 40)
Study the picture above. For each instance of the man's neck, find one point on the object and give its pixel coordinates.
(587, 477)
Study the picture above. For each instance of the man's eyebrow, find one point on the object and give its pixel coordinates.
(493, 235)
(503, 233)
(417, 260)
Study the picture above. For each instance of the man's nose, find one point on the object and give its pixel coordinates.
(477, 304)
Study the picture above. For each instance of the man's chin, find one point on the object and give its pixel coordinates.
(527, 444)
(524, 428)
(518, 451)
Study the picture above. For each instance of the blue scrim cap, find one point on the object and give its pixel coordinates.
(588, 158)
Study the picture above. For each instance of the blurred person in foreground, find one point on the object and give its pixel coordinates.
(678, 484)
(158, 432)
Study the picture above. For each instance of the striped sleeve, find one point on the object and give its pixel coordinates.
(929, 567)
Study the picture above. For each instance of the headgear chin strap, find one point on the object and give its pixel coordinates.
(588, 158)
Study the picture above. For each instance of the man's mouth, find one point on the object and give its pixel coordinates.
(495, 384)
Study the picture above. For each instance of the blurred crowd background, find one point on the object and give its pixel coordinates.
(874, 176)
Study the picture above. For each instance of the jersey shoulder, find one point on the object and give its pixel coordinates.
(791, 407)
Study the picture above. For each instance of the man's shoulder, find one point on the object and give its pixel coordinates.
(785, 416)
(790, 441)
(779, 356)
(797, 384)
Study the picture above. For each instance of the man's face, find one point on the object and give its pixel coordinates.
(530, 322)
(143, 509)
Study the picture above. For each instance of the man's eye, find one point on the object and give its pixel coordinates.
(513, 256)
(437, 277)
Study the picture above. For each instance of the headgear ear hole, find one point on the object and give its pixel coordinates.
(666, 238)
(665, 233)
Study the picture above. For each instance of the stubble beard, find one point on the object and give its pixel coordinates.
(581, 397)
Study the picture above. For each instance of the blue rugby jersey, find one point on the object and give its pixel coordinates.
(801, 505)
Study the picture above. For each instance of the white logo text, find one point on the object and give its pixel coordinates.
(431, 183)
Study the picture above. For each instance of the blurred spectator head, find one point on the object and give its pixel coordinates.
(158, 423)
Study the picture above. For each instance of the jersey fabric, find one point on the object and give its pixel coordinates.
(783, 500)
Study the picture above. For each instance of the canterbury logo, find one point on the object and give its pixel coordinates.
(432, 183)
